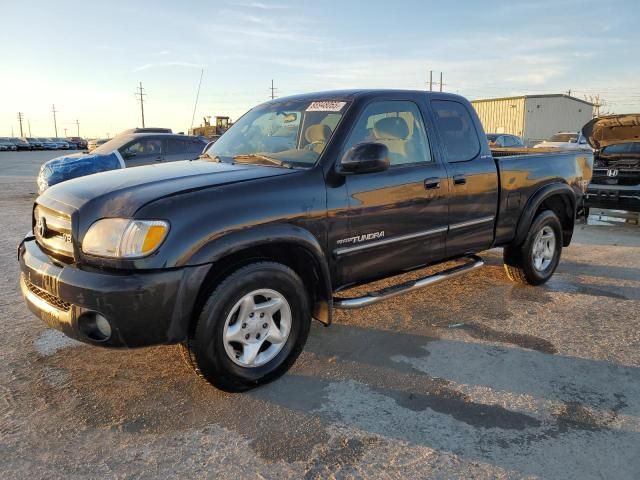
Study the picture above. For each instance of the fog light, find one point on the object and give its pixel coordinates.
(94, 326)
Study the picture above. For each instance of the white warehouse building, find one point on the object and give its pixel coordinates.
(533, 117)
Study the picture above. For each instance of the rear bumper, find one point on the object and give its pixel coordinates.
(142, 309)
(619, 197)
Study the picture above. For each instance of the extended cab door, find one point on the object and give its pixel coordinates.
(397, 218)
(472, 178)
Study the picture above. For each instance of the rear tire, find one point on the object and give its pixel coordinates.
(536, 259)
(251, 329)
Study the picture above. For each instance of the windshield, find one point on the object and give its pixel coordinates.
(622, 149)
(109, 146)
(491, 137)
(293, 132)
(564, 137)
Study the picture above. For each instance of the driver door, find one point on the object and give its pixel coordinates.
(397, 218)
(143, 151)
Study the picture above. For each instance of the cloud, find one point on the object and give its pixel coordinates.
(262, 6)
(147, 66)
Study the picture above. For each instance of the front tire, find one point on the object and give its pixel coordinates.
(536, 259)
(251, 329)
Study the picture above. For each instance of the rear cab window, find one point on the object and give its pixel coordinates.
(459, 135)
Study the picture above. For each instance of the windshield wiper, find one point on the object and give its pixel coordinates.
(257, 156)
(208, 156)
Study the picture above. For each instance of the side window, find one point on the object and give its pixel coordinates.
(175, 145)
(396, 124)
(195, 146)
(509, 141)
(147, 146)
(456, 129)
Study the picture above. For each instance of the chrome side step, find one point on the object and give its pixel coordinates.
(473, 263)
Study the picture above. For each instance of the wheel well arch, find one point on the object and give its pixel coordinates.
(561, 200)
(300, 259)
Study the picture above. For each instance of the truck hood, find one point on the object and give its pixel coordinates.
(122, 192)
(66, 167)
(612, 129)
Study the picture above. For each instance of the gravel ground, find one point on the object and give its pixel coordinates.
(536, 382)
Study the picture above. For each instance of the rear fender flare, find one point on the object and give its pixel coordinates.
(533, 204)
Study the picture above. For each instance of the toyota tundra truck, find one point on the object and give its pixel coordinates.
(233, 254)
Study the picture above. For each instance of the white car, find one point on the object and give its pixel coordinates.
(566, 141)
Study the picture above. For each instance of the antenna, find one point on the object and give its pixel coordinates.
(197, 96)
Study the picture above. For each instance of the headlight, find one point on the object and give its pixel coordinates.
(124, 238)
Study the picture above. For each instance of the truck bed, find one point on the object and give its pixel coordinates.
(523, 172)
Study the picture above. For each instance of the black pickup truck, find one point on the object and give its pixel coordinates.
(233, 254)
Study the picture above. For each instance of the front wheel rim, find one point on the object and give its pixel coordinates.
(544, 247)
(257, 328)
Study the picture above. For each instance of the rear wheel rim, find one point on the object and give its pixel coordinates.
(257, 328)
(544, 248)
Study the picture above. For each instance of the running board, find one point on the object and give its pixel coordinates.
(370, 298)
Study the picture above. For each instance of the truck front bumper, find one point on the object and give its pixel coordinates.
(141, 308)
(618, 197)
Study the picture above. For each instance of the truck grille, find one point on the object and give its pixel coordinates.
(52, 230)
(615, 176)
(46, 296)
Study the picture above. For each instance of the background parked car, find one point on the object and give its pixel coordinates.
(505, 140)
(95, 143)
(8, 144)
(48, 144)
(566, 140)
(35, 143)
(123, 151)
(62, 143)
(21, 144)
(79, 143)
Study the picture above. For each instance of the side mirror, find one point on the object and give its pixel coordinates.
(366, 157)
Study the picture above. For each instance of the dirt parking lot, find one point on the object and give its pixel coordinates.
(532, 382)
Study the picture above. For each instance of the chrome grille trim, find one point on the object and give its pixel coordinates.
(57, 231)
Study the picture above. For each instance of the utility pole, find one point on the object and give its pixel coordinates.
(29, 123)
(273, 90)
(65, 133)
(78, 127)
(55, 123)
(141, 96)
(431, 80)
(569, 92)
(440, 81)
(20, 117)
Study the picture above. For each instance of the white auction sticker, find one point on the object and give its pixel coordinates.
(325, 106)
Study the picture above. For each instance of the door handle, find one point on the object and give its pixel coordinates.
(459, 180)
(431, 183)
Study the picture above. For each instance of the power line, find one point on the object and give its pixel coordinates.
(20, 117)
(55, 123)
(140, 94)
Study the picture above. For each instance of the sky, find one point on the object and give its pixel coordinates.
(88, 57)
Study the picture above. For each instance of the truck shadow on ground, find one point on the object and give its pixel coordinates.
(484, 402)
